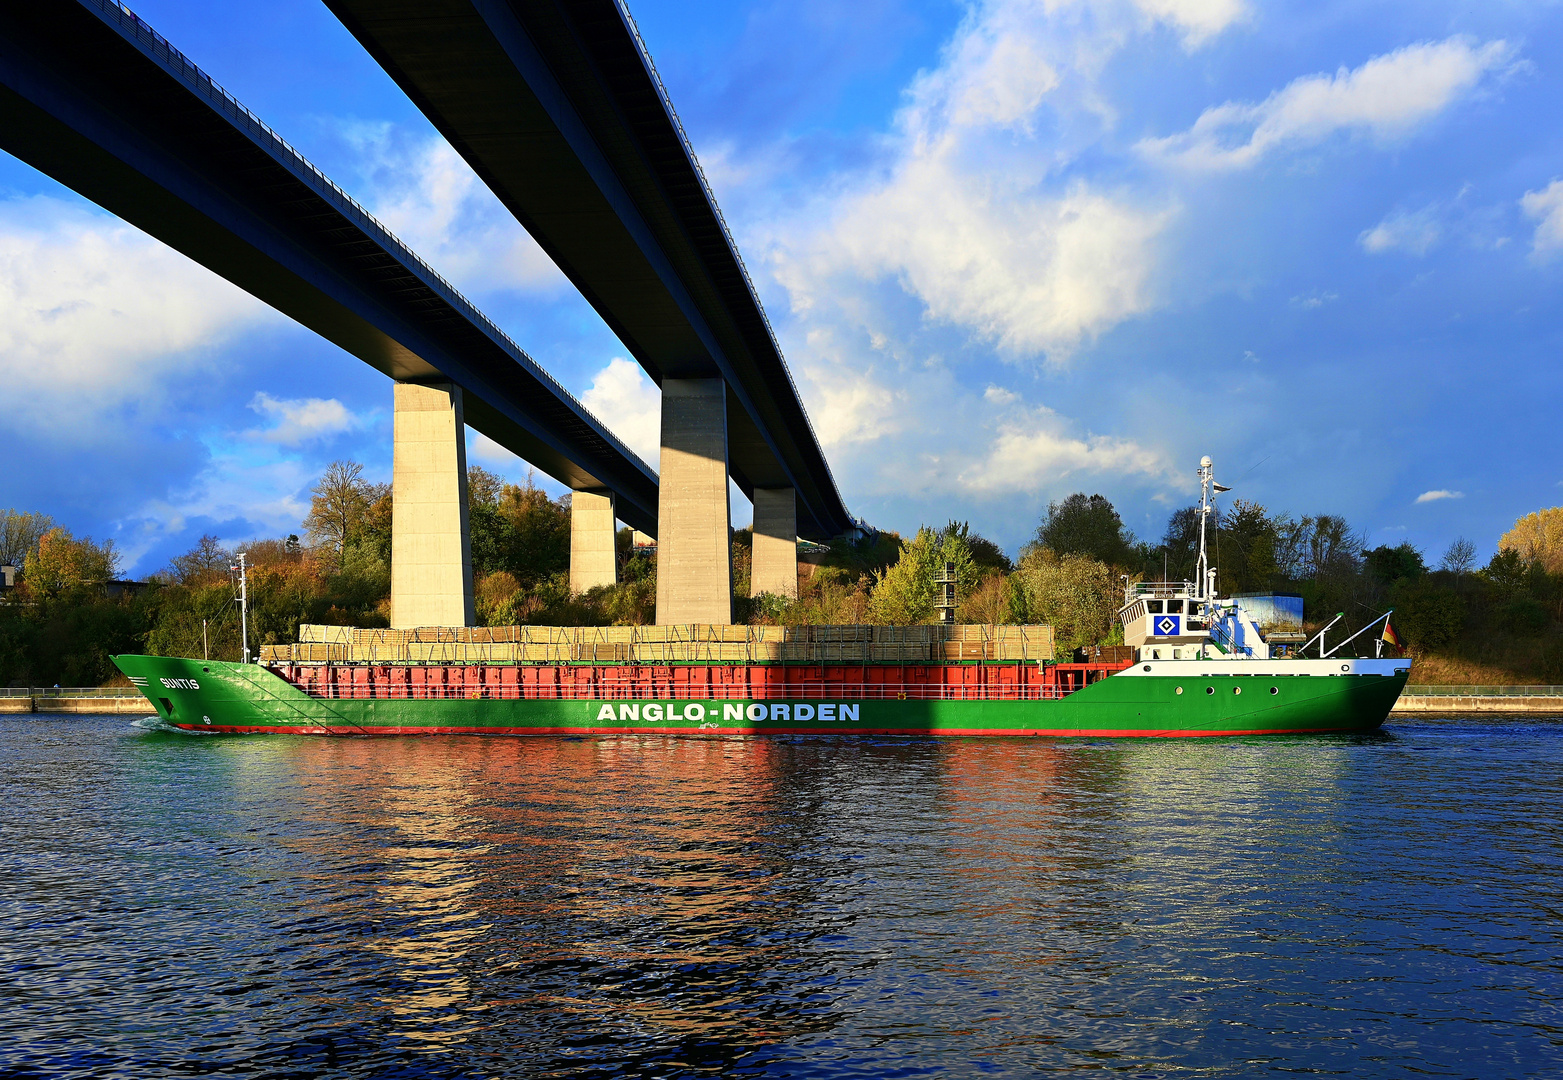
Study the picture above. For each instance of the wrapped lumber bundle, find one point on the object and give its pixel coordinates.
(315, 652)
(956, 651)
(380, 646)
(315, 634)
(835, 635)
(1032, 643)
(484, 635)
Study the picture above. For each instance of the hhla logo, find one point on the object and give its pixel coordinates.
(735, 712)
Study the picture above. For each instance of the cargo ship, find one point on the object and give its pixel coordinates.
(1193, 664)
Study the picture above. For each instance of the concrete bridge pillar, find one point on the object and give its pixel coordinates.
(694, 542)
(774, 568)
(431, 552)
(593, 560)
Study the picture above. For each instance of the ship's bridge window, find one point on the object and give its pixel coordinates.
(1153, 606)
(1174, 607)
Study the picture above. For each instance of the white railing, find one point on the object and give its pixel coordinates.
(69, 692)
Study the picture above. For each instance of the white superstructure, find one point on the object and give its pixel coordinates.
(1187, 620)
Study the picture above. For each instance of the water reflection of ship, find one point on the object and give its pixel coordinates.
(1038, 842)
(654, 896)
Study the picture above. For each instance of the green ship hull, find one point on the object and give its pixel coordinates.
(1167, 700)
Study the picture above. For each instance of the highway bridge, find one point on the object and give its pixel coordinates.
(558, 108)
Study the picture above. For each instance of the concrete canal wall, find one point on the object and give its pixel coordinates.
(92, 701)
(1471, 700)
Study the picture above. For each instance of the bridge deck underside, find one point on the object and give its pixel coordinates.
(95, 100)
(552, 104)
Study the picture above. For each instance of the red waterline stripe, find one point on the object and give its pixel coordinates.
(1110, 733)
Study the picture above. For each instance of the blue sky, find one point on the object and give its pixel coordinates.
(1012, 250)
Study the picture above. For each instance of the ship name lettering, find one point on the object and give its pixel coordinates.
(733, 712)
(651, 712)
(803, 712)
(827, 712)
(180, 684)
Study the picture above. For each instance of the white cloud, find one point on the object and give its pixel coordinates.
(1387, 98)
(270, 494)
(1034, 453)
(1434, 496)
(1317, 299)
(968, 213)
(624, 398)
(848, 405)
(924, 434)
(96, 316)
(1415, 232)
(1546, 206)
(482, 448)
(1199, 20)
(300, 420)
(1029, 272)
(433, 202)
(977, 227)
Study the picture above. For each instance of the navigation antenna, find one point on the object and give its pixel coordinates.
(1204, 586)
(1208, 490)
(244, 606)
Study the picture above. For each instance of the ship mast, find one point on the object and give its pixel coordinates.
(1205, 586)
(244, 605)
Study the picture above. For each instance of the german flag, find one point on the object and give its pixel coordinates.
(1390, 635)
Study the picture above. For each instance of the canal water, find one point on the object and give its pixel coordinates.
(277, 906)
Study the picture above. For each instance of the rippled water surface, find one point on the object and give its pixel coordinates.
(280, 906)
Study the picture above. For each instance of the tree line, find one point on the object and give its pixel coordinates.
(1498, 622)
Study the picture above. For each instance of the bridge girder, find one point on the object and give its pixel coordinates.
(556, 107)
(95, 99)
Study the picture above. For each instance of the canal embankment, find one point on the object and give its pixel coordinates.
(1484, 700)
(86, 700)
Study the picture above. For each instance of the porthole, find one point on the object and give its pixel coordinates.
(1210, 689)
(1179, 690)
(1275, 690)
(1345, 667)
(1237, 689)
(1147, 667)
